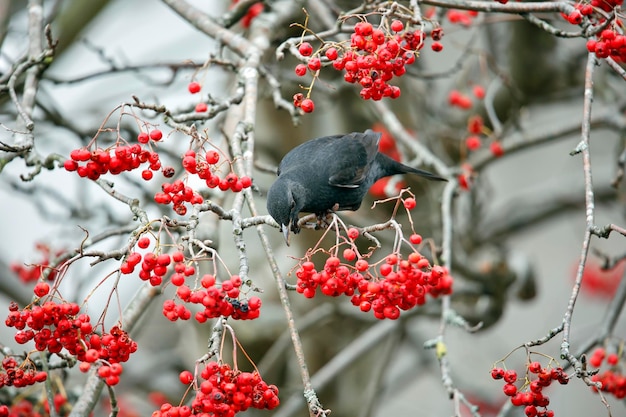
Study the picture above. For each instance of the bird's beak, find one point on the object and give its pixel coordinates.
(285, 230)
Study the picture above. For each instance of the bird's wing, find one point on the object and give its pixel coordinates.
(358, 151)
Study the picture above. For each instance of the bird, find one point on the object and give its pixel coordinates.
(330, 173)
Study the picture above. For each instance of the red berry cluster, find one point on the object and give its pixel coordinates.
(254, 10)
(464, 101)
(93, 164)
(375, 56)
(609, 44)
(222, 300)
(393, 286)
(463, 17)
(613, 380)
(35, 408)
(19, 374)
(223, 392)
(205, 168)
(54, 327)
(177, 193)
(530, 395)
(155, 267)
(34, 271)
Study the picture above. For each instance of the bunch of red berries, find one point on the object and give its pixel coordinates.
(613, 380)
(16, 374)
(464, 17)
(34, 271)
(393, 286)
(36, 407)
(223, 393)
(177, 193)
(54, 327)
(93, 164)
(609, 44)
(113, 347)
(206, 170)
(154, 267)
(375, 56)
(530, 394)
(223, 300)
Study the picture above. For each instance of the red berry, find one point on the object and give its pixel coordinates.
(305, 49)
(246, 181)
(143, 137)
(509, 389)
(349, 255)
(212, 157)
(534, 367)
(201, 107)
(436, 46)
(612, 359)
(307, 105)
(362, 265)
(472, 142)
(409, 203)
(397, 26)
(194, 87)
(378, 36)
(478, 91)
(363, 28)
(185, 377)
(353, 233)
(510, 376)
(146, 174)
(575, 17)
(156, 135)
(314, 64)
(497, 373)
(415, 239)
(331, 54)
(41, 289)
(70, 165)
(300, 70)
(496, 149)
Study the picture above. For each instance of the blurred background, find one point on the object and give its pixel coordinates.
(518, 229)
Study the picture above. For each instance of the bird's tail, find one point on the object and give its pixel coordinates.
(399, 168)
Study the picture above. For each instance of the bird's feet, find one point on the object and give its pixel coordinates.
(325, 219)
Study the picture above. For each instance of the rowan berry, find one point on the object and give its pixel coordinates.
(472, 142)
(305, 49)
(353, 233)
(409, 203)
(307, 105)
(194, 87)
(41, 289)
(496, 149)
(212, 157)
(397, 26)
(331, 54)
(201, 107)
(415, 239)
(156, 135)
(300, 70)
(314, 64)
(436, 46)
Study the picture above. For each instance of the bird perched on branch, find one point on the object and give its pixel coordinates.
(330, 173)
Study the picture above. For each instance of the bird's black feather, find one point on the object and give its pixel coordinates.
(328, 172)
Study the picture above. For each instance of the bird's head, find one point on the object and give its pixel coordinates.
(284, 204)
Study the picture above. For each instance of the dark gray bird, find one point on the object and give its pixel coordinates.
(331, 172)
